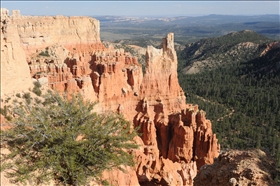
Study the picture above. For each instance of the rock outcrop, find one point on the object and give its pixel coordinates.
(74, 33)
(171, 130)
(233, 168)
(66, 52)
(242, 46)
(14, 69)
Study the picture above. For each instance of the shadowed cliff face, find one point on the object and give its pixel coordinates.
(67, 52)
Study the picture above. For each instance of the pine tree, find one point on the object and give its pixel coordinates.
(65, 141)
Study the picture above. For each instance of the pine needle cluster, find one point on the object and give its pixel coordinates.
(65, 141)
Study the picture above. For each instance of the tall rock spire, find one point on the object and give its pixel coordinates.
(160, 81)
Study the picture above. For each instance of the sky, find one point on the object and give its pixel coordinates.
(142, 8)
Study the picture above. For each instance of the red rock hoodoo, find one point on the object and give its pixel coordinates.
(67, 53)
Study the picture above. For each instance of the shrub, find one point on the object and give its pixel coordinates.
(5, 112)
(37, 84)
(38, 101)
(27, 97)
(46, 53)
(36, 88)
(66, 141)
(7, 100)
(37, 91)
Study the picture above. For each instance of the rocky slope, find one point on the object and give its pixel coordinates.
(269, 60)
(66, 53)
(220, 51)
(233, 168)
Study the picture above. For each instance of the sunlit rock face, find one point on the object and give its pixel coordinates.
(66, 52)
(177, 137)
(14, 69)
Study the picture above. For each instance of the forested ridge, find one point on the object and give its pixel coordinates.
(241, 98)
(235, 47)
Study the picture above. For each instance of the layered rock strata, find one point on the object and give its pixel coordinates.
(66, 52)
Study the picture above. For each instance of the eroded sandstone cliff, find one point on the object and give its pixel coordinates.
(66, 52)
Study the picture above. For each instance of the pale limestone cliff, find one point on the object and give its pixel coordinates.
(14, 69)
(74, 33)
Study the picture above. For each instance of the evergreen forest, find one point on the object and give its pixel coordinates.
(242, 100)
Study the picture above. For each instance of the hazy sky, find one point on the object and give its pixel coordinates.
(147, 8)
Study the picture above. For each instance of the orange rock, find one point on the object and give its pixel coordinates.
(4, 125)
(117, 177)
(176, 137)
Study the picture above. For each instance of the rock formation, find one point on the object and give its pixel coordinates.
(232, 168)
(74, 33)
(14, 69)
(176, 138)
